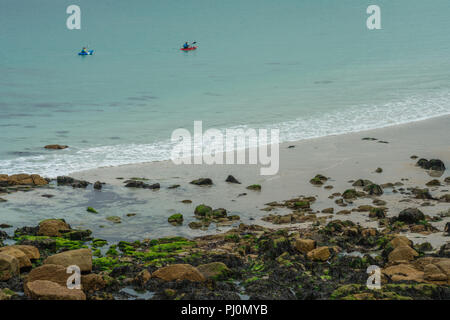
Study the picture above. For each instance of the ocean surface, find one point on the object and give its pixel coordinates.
(310, 68)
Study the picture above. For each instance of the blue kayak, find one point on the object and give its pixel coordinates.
(88, 53)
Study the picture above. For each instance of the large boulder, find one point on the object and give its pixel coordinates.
(179, 272)
(22, 179)
(50, 272)
(433, 273)
(400, 241)
(81, 258)
(52, 227)
(24, 261)
(402, 254)
(47, 290)
(411, 215)
(30, 251)
(319, 254)
(433, 164)
(403, 272)
(9, 266)
(305, 245)
(56, 147)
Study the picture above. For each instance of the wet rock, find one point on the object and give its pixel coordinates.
(143, 277)
(202, 182)
(445, 198)
(56, 147)
(80, 257)
(362, 183)
(400, 241)
(254, 187)
(373, 189)
(30, 251)
(179, 272)
(176, 219)
(47, 290)
(84, 235)
(379, 170)
(232, 179)
(433, 183)
(411, 215)
(9, 266)
(98, 185)
(69, 181)
(447, 228)
(377, 213)
(403, 272)
(50, 272)
(421, 194)
(214, 270)
(433, 164)
(92, 282)
(22, 180)
(402, 254)
(305, 245)
(141, 185)
(52, 227)
(203, 210)
(447, 180)
(328, 210)
(433, 273)
(318, 180)
(24, 261)
(114, 219)
(174, 186)
(320, 254)
(350, 194)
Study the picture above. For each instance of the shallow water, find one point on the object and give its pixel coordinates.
(310, 68)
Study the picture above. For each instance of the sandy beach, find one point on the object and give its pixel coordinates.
(342, 158)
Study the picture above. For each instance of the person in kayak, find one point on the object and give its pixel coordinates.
(84, 50)
(186, 45)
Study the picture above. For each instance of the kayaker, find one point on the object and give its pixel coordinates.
(186, 45)
(84, 50)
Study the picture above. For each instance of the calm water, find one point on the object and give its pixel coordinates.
(308, 67)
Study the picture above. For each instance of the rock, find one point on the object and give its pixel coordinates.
(433, 164)
(219, 213)
(52, 227)
(433, 183)
(328, 210)
(403, 272)
(421, 194)
(9, 266)
(98, 185)
(24, 261)
(143, 277)
(254, 187)
(411, 215)
(445, 198)
(203, 210)
(232, 179)
(377, 213)
(321, 254)
(373, 189)
(6, 294)
(47, 290)
(174, 186)
(179, 272)
(400, 241)
(141, 184)
(30, 251)
(305, 245)
(50, 272)
(214, 270)
(80, 257)
(447, 228)
(402, 254)
(92, 282)
(379, 170)
(114, 219)
(22, 179)
(91, 210)
(447, 180)
(433, 273)
(343, 212)
(318, 180)
(362, 183)
(202, 182)
(176, 219)
(69, 181)
(55, 147)
(350, 194)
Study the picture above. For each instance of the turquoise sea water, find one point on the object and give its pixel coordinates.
(310, 68)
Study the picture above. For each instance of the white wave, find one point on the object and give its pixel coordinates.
(352, 119)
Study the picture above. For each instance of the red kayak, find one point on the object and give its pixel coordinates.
(188, 49)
